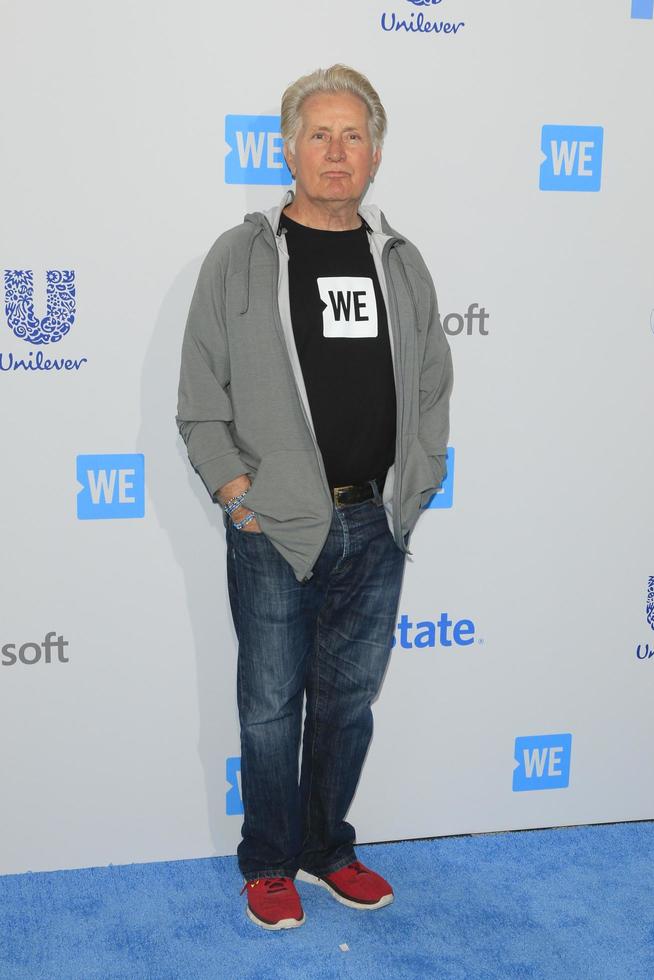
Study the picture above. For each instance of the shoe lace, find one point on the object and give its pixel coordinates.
(357, 867)
(271, 885)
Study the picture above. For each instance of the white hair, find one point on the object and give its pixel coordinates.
(338, 78)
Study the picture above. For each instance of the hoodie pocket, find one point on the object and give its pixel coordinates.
(287, 488)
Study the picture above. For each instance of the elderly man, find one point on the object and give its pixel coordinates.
(313, 401)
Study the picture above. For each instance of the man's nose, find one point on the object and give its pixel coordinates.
(336, 149)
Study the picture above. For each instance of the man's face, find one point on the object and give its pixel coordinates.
(333, 158)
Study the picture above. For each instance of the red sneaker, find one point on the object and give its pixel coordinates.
(273, 903)
(354, 885)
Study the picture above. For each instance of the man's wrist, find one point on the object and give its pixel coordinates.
(233, 499)
(235, 502)
(233, 488)
(249, 518)
(239, 513)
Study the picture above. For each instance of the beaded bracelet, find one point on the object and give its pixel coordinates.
(234, 502)
(245, 520)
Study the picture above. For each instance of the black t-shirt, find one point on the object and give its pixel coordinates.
(341, 334)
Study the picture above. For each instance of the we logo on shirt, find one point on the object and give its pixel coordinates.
(350, 306)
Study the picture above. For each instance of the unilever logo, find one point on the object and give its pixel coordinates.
(541, 762)
(19, 305)
(573, 158)
(40, 331)
(644, 651)
(418, 22)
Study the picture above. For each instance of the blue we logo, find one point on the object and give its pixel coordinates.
(444, 496)
(112, 486)
(233, 799)
(541, 762)
(255, 151)
(642, 9)
(573, 158)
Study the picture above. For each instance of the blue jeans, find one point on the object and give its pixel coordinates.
(331, 638)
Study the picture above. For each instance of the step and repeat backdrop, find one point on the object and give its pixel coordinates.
(519, 160)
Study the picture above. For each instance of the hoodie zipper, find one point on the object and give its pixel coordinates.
(280, 330)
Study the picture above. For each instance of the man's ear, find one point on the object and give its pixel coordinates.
(376, 160)
(289, 156)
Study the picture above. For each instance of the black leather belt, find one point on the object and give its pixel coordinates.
(357, 493)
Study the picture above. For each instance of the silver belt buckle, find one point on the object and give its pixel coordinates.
(336, 491)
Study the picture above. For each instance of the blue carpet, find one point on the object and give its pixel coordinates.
(569, 903)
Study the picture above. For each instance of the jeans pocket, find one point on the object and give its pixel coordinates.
(242, 532)
(249, 534)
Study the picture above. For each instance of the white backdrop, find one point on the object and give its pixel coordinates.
(113, 167)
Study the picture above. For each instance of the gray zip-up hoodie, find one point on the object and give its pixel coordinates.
(243, 406)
